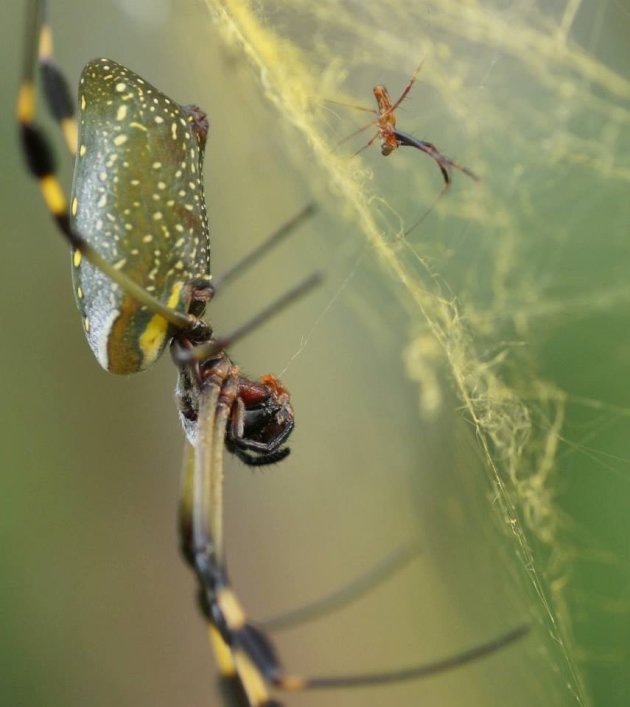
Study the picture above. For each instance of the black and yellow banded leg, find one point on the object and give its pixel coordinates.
(38, 50)
(201, 536)
(230, 686)
(257, 664)
(41, 163)
(246, 656)
(248, 661)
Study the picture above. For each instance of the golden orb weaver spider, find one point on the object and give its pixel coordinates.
(139, 286)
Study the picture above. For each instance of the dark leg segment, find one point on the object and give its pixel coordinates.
(443, 162)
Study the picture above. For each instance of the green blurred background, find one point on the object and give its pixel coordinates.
(96, 606)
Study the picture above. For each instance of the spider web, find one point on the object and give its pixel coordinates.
(503, 313)
(523, 93)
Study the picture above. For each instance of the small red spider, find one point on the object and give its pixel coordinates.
(391, 138)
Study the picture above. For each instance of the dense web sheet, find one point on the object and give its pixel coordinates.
(523, 99)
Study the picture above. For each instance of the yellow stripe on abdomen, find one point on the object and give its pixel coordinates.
(151, 341)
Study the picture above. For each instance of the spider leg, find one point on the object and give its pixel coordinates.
(268, 244)
(241, 644)
(380, 572)
(367, 144)
(408, 87)
(405, 140)
(261, 460)
(443, 162)
(358, 132)
(202, 529)
(257, 663)
(38, 154)
(365, 109)
(191, 515)
(424, 215)
(270, 447)
(210, 348)
(39, 52)
(265, 453)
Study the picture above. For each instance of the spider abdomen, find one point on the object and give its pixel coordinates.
(137, 198)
